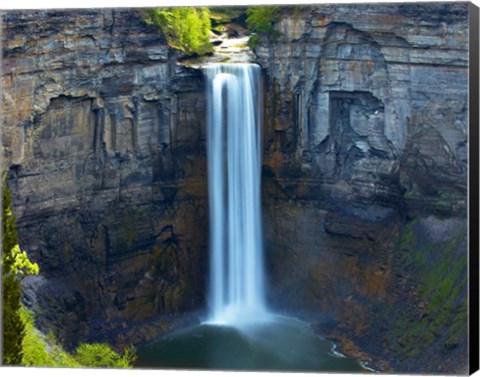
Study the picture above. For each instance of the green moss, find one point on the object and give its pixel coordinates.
(449, 287)
(412, 195)
(439, 274)
(407, 246)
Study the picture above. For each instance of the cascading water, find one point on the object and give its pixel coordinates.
(249, 337)
(234, 98)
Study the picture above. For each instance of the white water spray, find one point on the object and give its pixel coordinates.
(237, 293)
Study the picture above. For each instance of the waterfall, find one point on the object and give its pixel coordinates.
(237, 293)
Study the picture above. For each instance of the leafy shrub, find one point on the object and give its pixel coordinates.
(44, 351)
(39, 351)
(186, 28)
(34, 350)
(261, 21)
(101, 355)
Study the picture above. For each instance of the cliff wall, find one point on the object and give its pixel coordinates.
(365, 131)
(104, 141)
(374, 95)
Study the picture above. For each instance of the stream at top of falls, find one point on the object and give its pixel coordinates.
(226, 50)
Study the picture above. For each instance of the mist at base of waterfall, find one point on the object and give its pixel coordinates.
(240, 317)
(278, 344)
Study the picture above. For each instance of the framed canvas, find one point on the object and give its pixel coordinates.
(264, 187)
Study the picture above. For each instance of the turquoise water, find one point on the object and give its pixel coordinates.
(281, 344)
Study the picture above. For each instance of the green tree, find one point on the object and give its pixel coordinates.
(15, 264)
(261, 21)
(186, 28)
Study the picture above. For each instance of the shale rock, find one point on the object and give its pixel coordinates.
(104, 139)
(367, 103)
(365, 129)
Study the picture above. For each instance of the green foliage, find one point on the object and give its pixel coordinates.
(21, 264)
(101, 355)
(34, 350)
(261, 21)
(186, 28)
(441, 278)
(223, 15)
(42, 351)
(23, 344)
(15, 264)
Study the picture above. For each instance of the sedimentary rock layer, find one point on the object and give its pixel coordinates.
(369, 102)
(104, 138)
(366, 129)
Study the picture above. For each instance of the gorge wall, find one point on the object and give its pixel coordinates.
(365, 133)
(104, 141)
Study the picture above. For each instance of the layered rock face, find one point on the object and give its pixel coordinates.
(104, 139)
(365, 128)
(369, 101)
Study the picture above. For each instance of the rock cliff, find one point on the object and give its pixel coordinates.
(103, 137)
(372, 95)
(366, 129)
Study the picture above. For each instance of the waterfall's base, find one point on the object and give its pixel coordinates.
(239, 317)
(280, 344)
